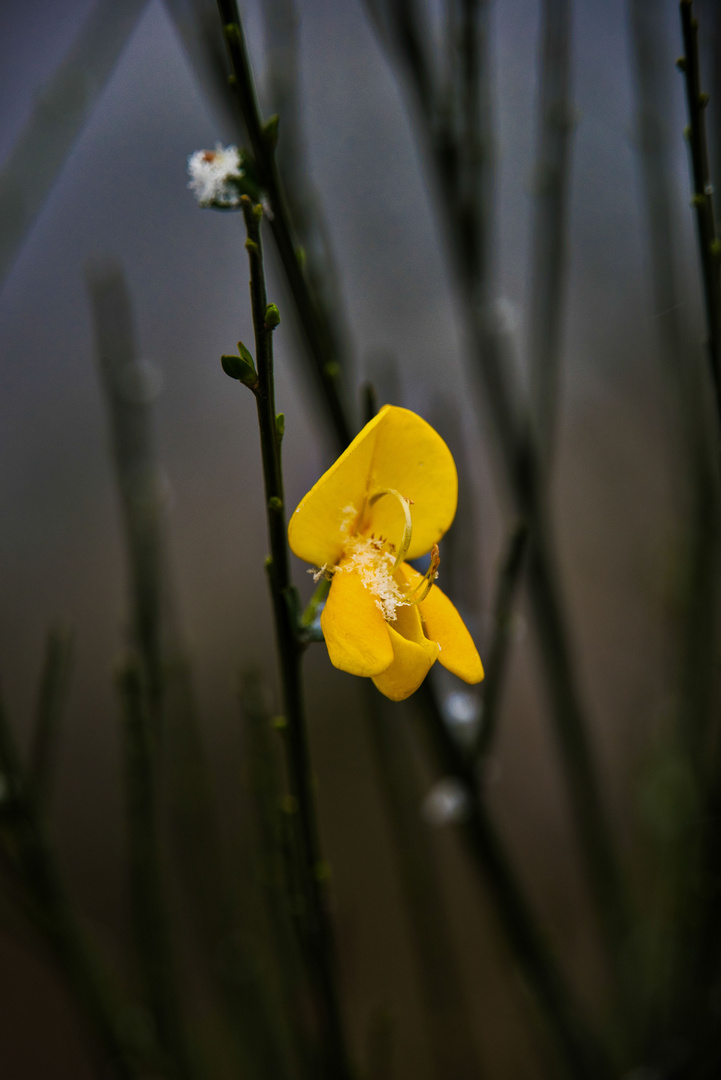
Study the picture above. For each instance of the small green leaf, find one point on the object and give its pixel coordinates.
(280, 425)
(237, 367)
(245, 354)
(270, 130)
(275, 503)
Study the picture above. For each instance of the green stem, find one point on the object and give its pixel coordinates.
(149, 907)
(577, 1046)
(519, 464)
(495, 668)
(24, 840)
(450, 1028)
(702, 200)
(319, 942)
(549, 224)
(51, 700)
(323, 350)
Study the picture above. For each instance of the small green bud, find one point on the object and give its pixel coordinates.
(257, 211)
(251, 246)
(240, 368)
(681, 63)
(271, 317)
(275, 503)
(245, 354)
(270, 130)
(280, 425)
(331, 370)
(280, 723)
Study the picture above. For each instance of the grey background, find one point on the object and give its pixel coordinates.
(123, 193)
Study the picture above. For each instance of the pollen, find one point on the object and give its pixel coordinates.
(367, 557)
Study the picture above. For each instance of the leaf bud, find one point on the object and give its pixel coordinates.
(270, 130)
(240, 368)
(271, 317)
(245, 354)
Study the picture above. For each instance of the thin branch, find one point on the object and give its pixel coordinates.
(325, 353)
(577, 1047)
(25, 844)
(702, 199)
(169, 696)
(60, 113)
(495, 667)
(151, 918)
(48, 716)
(551, 188)
(319, 941)
(280, 902)
(487, 349)
(449, 1026)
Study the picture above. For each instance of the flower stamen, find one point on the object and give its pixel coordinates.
(408, 528)
(425, 585)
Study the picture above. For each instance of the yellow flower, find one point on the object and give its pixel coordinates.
(390, 496)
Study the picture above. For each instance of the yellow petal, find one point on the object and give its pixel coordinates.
(396, 450)
(443, 624)
(411, 458)
(354, 628)
(412, 660)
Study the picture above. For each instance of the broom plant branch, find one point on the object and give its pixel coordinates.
(577, 1046)
(323, 349)
(25, 843)
(702, 198)
(318, 940)
(519, 466)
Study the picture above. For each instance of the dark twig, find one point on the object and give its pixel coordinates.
(279, 901)
(576, 1045)
(130, 386)
(519, 466)
(25, 845)
(702, 199)
(495, 667)
(151, 924)
(318, 935)
(60, 112)
(168, 694)
(448, 1025)
(51, 701)
(551, 184)
(698, 631)
(323, 350)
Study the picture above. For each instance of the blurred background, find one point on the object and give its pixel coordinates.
(618, 491)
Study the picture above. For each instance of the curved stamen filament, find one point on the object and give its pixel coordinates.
(420, 591)
(408, 529)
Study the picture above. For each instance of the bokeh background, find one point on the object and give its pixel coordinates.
(618, 498)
